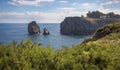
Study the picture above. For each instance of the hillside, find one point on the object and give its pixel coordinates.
(101, 54)
(104, 31)
(83, 26)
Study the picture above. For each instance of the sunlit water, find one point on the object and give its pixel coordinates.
(18, 32)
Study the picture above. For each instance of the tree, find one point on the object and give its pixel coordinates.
(112, 15)
(95, 14)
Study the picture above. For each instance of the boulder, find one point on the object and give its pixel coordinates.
(82, 26)
(33, 28)
(45, 31)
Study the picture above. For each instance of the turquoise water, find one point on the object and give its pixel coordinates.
(18, 32)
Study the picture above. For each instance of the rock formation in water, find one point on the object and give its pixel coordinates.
(83, 26)
(45, 31)
(33, 28)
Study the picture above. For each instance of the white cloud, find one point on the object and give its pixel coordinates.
(106, 10)
(67, 8)
(85, 4)
(57, 15)
(74, 4)
(47, 17)
(28, 2)
(111, 2)
(88, 6)
(63, 1)
(71, 11)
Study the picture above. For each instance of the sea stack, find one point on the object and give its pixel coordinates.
(45, 31)
(33, 28)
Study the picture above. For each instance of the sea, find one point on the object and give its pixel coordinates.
(19, 32)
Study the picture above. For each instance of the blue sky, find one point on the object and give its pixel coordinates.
(51, 11)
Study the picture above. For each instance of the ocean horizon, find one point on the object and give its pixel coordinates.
(18, 32)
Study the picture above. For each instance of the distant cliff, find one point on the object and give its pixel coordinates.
(83, 26)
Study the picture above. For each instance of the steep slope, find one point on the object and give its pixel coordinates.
(104, 31)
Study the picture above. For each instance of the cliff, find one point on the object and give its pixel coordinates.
(83, 26)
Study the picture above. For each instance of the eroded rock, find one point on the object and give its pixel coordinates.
(45, 31)
(33, 28)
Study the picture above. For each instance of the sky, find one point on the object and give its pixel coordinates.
(52, 11)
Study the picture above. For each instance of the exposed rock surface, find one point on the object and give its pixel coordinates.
(33, 28)
(104, 31)
(82, 26)
(45, 31)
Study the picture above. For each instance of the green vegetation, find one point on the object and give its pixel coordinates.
(104, 31)
(95, 14)
(102, 54)
(98, 14)
(108, 29)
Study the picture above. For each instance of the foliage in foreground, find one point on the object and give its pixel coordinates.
(102, 54)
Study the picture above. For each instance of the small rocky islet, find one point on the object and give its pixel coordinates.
(45, 31)
(33, 28)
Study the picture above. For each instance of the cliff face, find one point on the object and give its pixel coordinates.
(82, 26)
